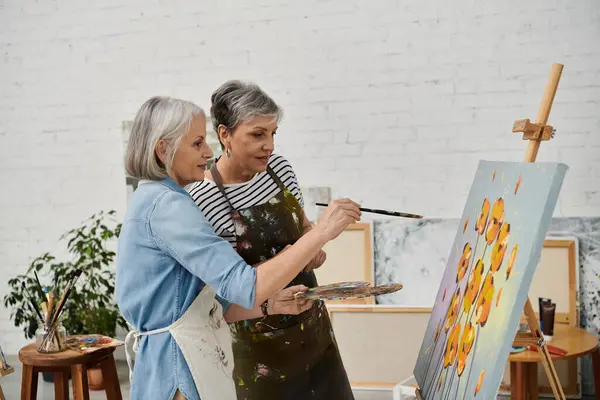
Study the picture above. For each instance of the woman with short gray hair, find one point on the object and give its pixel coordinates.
(253, 200)
(176, 278)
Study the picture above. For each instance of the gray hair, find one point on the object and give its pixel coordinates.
(159, 118)
(235, 102)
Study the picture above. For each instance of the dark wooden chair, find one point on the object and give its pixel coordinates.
(61, 364)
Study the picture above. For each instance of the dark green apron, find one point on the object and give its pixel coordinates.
(281, 357)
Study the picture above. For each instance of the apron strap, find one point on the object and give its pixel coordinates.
(131, 345)
(276, 178)
(219, 182)
(132, 342)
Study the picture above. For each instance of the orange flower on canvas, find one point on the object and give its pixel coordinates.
(483, 216)
(500, 247)
(498, 297)
(463, 263)
(518, 184)
(465, 225)
(452, 310)
(473, 285)
(452, 345)
(511, 260)
(464, 348)
(479, 382)
(437, 331)
(484, 303)
(496, 219)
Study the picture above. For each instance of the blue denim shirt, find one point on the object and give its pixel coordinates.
(167, 251)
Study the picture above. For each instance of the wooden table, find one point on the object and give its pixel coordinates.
(523, 366)
(61, 364)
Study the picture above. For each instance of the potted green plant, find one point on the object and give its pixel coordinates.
(90, 308)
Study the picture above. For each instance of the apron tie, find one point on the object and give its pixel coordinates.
(132, 343)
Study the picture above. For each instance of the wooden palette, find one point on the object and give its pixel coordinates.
(347, 290)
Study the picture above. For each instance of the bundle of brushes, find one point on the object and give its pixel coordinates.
(49, 312)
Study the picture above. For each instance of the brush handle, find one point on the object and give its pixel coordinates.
(65, 296)
(60, 305)
(36, 309)
(41, 289)
(50, 308)
(32, 302)
(383, 212)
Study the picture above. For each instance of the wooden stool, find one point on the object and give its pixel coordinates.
(63, 363)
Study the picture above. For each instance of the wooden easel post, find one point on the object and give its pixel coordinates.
(536, 133)
(5, 371)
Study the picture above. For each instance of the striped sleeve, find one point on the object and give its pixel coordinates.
(215, 208)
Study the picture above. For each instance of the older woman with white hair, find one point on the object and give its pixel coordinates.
(176, 278)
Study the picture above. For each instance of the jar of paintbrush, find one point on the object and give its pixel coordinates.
(51, 340)
(51, 336)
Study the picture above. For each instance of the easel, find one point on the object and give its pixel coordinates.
(3, 372)
(535, 133)
(5, 369)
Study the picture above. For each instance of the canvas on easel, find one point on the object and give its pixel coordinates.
(375, 365)
(349, 259)
(487, 278)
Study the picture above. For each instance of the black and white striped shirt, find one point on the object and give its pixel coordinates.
(260, 189)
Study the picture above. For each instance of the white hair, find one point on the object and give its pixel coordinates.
(159, 118)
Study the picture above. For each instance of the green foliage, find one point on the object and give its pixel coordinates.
(90, 308)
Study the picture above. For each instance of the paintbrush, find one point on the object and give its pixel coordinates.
(33, 303)
(50, 308)
(41, 289)
(44, 307)
(383, 212)
(55, 315)
(65, 296)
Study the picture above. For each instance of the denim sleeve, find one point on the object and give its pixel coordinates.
(224, 303)
(179, 228)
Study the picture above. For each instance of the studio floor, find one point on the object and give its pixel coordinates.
(11, 384)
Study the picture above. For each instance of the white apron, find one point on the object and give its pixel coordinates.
(205, 341)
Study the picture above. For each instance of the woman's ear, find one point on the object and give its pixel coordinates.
(161, 151)
(222, 133)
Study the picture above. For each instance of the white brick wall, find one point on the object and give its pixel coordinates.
(424, 89)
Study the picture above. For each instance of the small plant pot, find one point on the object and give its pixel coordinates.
(49, 376)
(95, 378)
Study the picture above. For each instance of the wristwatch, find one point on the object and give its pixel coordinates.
(265, 307)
